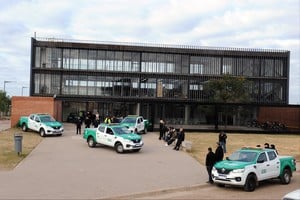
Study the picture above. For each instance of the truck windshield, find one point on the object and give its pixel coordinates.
(121, 130)
(47, 119)
(128, 120)
(243, 156)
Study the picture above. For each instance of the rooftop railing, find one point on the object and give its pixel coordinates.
(178, 46)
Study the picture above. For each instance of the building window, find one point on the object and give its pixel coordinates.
(37, 57)
(205, 65)
(196, 68)
(74, 62)
(267, 68)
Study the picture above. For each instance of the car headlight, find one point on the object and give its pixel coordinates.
(214, 169)
(238, 170)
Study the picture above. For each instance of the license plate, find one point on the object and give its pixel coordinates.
(56, 132)
(222, 176)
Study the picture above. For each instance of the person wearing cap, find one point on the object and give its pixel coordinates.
(219, 152)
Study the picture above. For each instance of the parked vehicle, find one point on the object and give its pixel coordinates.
(114, 135)
(45, 124)
(294, 195)
(136, 122)
(247, 166)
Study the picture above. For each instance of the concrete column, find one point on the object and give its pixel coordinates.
(138, 109)
(187, 111)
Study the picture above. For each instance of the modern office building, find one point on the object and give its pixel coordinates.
(156, 81)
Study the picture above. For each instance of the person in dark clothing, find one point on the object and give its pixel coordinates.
(171, 136)
(78, 126)
(87, 122)
(272, 146)
(209, 163)
(267, 146)
(180, 139)
(219, 153)
(222, 140)
(161, 129)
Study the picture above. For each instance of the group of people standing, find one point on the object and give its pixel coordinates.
(92, 119)
(170, 135)
(218, 155)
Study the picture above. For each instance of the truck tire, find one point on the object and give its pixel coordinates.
(119, 148)
(42, 132)
(24, 127)
(285, 178)
(250, 183)
(91, 142)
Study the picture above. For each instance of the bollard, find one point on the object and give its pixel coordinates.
(18, 142)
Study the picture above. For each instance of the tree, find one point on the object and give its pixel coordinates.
(228, 89)
(5, 102)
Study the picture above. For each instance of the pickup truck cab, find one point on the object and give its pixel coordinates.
(113, 135)
(45, 124)
(247, 166)
(136, 122)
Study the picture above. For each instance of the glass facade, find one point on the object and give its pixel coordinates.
(149, 74)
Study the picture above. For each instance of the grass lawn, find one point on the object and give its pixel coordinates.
(8, 157)
(285, 144)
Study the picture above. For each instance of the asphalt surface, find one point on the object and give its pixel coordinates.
(66, 168)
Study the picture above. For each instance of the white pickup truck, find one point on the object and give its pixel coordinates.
(45, 124)
(247, 166)
(133, 122)
(113, 135)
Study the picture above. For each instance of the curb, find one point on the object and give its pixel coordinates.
(159, 192)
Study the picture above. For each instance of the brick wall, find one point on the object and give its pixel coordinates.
(24, 106)
(290, 116)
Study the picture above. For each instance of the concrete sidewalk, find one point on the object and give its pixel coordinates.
(4, 124)
(66, 168)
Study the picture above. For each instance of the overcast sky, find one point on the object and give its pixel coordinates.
(268, 24)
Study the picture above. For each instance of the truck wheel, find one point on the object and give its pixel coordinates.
(42, 132)
(285, 178)
(250, 184)
(91, 142)
(119, 148)
(24, 127)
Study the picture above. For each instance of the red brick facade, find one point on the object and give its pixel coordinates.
(290, 116)
(24, 106)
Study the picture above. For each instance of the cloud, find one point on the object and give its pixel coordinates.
(270, 24)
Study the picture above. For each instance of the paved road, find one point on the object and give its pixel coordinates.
(66, 168)
(269, 190)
